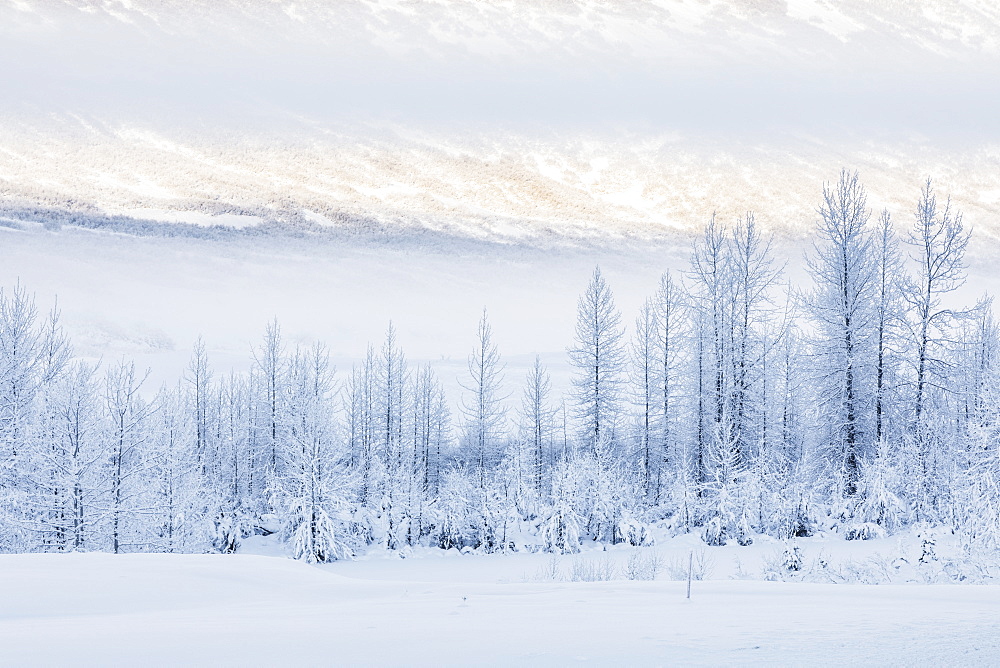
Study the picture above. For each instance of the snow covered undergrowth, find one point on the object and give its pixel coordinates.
(154, 609)
(917, 556)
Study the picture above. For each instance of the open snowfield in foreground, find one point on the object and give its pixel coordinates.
(156, 609)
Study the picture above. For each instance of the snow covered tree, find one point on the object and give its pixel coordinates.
(753, 278)
(390, 460)
(314, 497)
(453, 509)
(842, 304)
(670, 339)
(732, 278)
(645, 372)
(483, 405)
(938, 241)
(599, 359)
(538, 424)
(889, 279)
(880, 509)
(392, 378)
(561, 526)
(235, 497)
(269, 370)
(199, 378)
(432, 432)
(710, 292)
(43, 458)
(179, 497)
(728, 513)
(360, 407)
(70, 462)
(978, 507)
(126, 415)
(20, 360)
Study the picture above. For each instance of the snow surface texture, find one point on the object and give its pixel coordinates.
(99, 609)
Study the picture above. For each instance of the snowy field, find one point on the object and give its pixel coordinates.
(158, 609)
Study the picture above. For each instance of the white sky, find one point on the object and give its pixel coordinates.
(918, 67)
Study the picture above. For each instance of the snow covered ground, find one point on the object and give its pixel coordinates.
(158, 609)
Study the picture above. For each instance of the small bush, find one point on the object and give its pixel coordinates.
(702, 566)
(864, 531)
(583, 570)
(643, 565)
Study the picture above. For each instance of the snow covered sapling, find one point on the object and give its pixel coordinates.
(226, 535)
(643, 565)
(879, 509)
(317, 538)
(927, 543)
(559, 529)
(791, 559)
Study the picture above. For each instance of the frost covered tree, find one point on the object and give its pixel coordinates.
(732, 279)
(793, 462)
(179, 495)
(485, 417)
(561, 526)
(977, 507)
(236, 477)
(645, 383)
(126, 417)
(392, 378)
(43, 456)
(313, 487)
(74, 459)
(20, 352)
(843, 308)
(710, 292)
(453, 509)
(269, 370)
(538, 419)
(753, 279)
(431, 432)
(392, 403)
(199, 378)
(881, 509)
(599, 361)
(732, 276)
(728, 515)
(890, 278)
(483, 408)
(937, 241)
(670, 341)
(360, 408)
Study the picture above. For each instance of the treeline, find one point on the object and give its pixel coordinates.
(738, 405)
